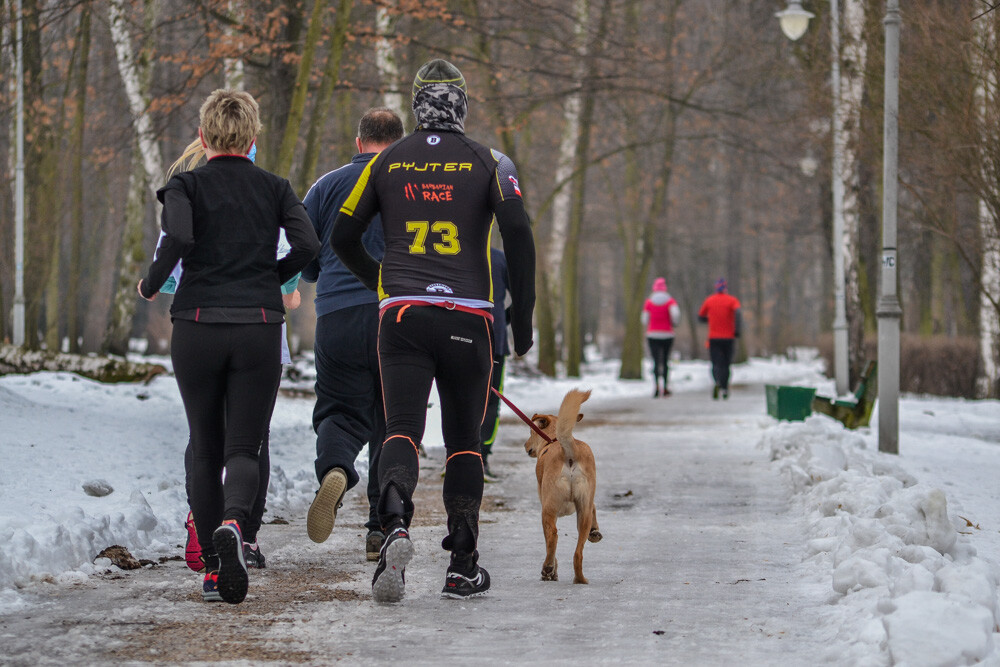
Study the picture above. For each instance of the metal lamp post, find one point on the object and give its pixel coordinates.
(888, 310)
(18, 337)
(794, 21)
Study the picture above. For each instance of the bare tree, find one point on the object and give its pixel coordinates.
(147, 173)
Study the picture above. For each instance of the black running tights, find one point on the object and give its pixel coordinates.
(419, 345)
(659, 349)
(227, 374)
(721, 351)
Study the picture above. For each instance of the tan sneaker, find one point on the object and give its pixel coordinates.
(323, 511)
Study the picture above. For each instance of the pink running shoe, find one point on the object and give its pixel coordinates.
(192, 551)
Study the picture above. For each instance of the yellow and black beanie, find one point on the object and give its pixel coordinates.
(440, 98)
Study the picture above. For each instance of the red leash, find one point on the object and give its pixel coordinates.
(524, 417)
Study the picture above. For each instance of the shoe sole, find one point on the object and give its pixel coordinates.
(389, 587)
(233, 578)
(323, 511)
(192, 549)
(456, 596)
(211, 597)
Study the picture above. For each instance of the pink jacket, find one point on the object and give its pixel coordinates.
(660, 315)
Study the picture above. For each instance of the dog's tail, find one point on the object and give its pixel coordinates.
(569, 414)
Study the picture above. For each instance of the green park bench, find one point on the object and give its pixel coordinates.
(855, 411)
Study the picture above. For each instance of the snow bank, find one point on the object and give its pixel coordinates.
(906, 582)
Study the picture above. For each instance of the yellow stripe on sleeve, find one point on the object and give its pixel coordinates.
(352, 201)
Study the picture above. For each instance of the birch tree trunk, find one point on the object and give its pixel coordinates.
(550, 269)
(853, 56)
(297, 110)
(234, 72)
(386, 64)
(135, 74)
(988, 383)
(987, 97)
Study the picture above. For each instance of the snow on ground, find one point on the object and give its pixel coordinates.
(909, 544)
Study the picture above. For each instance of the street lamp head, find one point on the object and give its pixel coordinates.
(794, 20)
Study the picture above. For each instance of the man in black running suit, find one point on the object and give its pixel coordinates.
(438, 193)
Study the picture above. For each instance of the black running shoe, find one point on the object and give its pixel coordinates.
(233, 580)
(373, 544)
(389, 582)
(459, 586)
(253, 556)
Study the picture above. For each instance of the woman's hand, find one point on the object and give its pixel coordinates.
(139, 288)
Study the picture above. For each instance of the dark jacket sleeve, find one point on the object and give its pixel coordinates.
(176, 221)
(519, 247)
(346, 240)
(310, 273)
(302, 237)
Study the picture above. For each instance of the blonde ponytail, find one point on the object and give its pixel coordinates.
(191, 156)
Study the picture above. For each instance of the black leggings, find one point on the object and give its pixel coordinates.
(659, 349)
(721, 351)
(491, 422)
(263, 478)
(227, 374)
(419, 345)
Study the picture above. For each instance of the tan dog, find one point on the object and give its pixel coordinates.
(567, 480)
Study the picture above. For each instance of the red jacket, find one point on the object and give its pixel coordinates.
(720, 311)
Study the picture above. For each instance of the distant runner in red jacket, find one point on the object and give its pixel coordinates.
(725, 319)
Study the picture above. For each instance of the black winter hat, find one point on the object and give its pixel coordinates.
(438, 71)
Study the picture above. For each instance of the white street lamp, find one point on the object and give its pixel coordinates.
(794, 21)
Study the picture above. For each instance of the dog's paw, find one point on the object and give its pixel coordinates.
(580, 580)
(595, 536)
(549, 573)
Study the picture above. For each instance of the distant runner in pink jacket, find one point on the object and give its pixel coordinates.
(660, 315)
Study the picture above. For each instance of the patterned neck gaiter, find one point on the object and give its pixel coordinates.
(441, 106)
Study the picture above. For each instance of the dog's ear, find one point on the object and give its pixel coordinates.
(579, 416)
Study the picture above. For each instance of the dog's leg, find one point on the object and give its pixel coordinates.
(595, 532)
(550, 568)
(584, 518)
